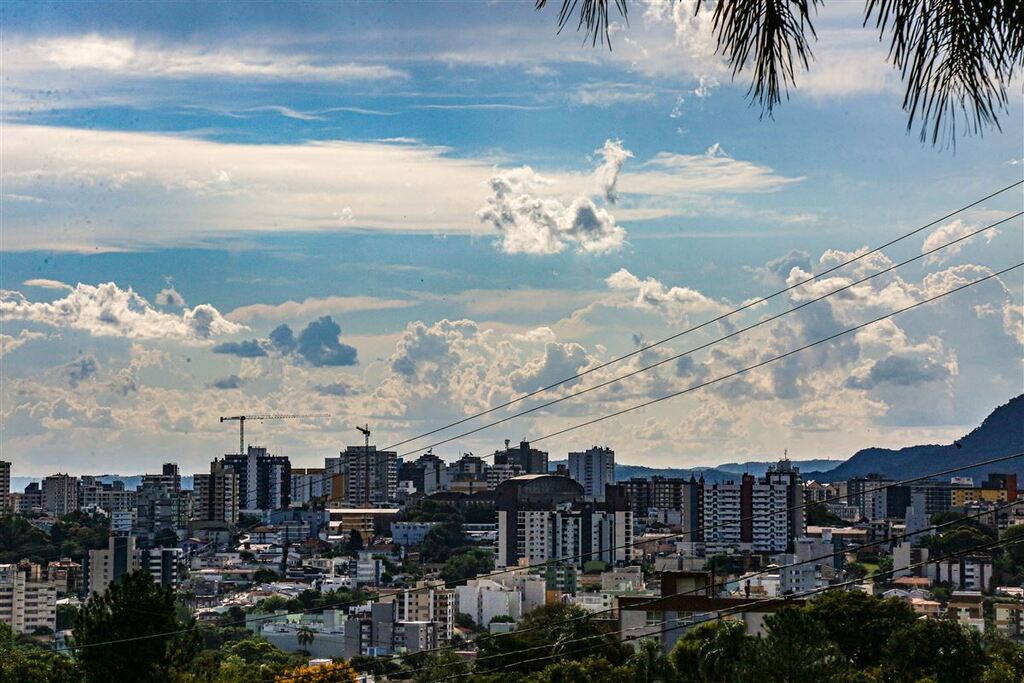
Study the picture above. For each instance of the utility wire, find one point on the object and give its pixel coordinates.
(748, 607)
(748, 305)
(560, 560)
(735, 333)
(714, 586)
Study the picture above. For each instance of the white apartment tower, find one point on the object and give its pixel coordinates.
(593, 469)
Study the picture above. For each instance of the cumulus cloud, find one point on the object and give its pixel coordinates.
(80, 370)
(9, 343)
(951, 231)
(107, 310)
(676, 302)
(229, 382)
(338, 389)
(607, 174)
(533, 224)
(314, 306)
(169, 296)
(318, 344)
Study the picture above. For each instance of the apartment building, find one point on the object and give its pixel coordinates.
(217, 494)
(28, 600)
(5, 485)
(60, 494)
(370, 476)
(430, 601)
(594, 469)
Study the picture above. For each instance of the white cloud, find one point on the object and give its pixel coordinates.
(530, 224)
(106, 310)
(9, 343)
(313, 307)
(128, 57)
(948, 232)
(607, 174)
(45, 283)
(677, 303)
(169, 296)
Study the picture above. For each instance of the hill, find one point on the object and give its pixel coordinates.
(1001, 433)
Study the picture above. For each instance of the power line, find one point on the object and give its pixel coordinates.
(781, 356)
(735, 333)
(748, 305)
(710, 343)
(713, 586)
(748, 607)
(560, 560)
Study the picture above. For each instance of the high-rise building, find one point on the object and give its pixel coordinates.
(309, 484)
(27, 600)
(545, 517)
(264, 480)
(121, 556)
(594, 468)
(370, 476)
(761, 515)
(112, 497)
(430, 601)
(5, 484)
(31, 500)
(647, 494)
(106, 565)
(168, 480)
(60, 494)
(530, 460)
(217, 494)
(425, 473)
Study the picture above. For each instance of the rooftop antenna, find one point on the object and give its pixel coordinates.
(366, 433)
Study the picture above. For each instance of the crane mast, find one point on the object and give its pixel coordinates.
(240, 419)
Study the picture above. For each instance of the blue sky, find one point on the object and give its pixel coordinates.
(481, 206)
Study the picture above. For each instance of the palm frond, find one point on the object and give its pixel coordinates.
(770, 33)
(955, 57)
(593, 17)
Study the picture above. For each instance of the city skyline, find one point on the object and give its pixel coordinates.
(324, 211)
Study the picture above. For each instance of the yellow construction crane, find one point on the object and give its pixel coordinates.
(242, 418)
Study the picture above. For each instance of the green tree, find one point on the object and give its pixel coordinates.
(137, 610)
(305, 636)
(860, 624)
(649, 663)
(466, 565)
(443, 541)
(796, 649)
(19, 540)
(937, 648)
(29, 663)
(957, 59)
(710, 652)
(591, 670)
(355, 542)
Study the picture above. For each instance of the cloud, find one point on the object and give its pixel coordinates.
(9, 343)
(676, 302)
(128, 57)
(339, 389)
(47, 284)
(900, 371)
(607, 174)
(229, 382)
(106, 310)
(314, 307)
(169, 296)
(319, 344)
(946, 233)
(80, 370)
(243, 349)
(532, 224)
(605, 95)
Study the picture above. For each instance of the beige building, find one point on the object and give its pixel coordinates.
(217, 494)
(27, 600)
(430, 601)
(60, 494)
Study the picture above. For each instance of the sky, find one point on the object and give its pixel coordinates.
(401, 214)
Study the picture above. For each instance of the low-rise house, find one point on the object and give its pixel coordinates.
(967, 607)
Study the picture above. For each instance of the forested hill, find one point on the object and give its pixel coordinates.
(1001, 433)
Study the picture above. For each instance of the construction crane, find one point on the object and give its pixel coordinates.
(366, 433)
(242, 418)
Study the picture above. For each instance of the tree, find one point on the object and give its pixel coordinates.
(335, 672)
(710, 652)
(957, 59)
(467, 565)
(27, 663)
(591, 670)
(443, 541)
(649, 663)
(1012, 558)
(264, 575)
(137, 610)
(305, 637)
(355, 542)
(796, 650)
(938, 648)
(865, 626)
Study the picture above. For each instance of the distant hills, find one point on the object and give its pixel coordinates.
(1001, 433)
